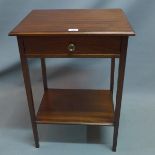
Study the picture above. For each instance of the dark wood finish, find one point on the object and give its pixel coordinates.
(102, 34)
(112, 75)
(83, 45)
(71, 55)
(121, 73)
(73, 106)
(28, 89)
(89, 22)
(44, 76)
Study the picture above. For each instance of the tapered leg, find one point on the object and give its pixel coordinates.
(112, 75)
(44, 76)
(28, 89)
(121, 72)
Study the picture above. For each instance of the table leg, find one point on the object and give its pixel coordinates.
(112, 75)
(44, 75)
(28, 89)
(121, 72)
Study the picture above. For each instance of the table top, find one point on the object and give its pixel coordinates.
(75, 22)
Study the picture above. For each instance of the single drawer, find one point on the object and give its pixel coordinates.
(72, 45)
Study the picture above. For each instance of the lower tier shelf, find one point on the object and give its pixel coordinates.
(76, 106)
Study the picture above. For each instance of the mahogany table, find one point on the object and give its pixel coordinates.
(83, 33)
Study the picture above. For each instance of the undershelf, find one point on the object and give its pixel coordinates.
(76, 106)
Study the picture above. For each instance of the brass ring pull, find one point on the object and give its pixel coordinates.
(71, 47)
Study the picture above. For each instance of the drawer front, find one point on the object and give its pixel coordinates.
(72, 45)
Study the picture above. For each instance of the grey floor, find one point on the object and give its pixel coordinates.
(137, 124)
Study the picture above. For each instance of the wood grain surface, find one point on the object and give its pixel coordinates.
(76, 106)
(44, 45)
(87, 21)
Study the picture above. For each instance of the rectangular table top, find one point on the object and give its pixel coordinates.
(74, 21)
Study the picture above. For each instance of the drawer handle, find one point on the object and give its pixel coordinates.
(71, 47)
